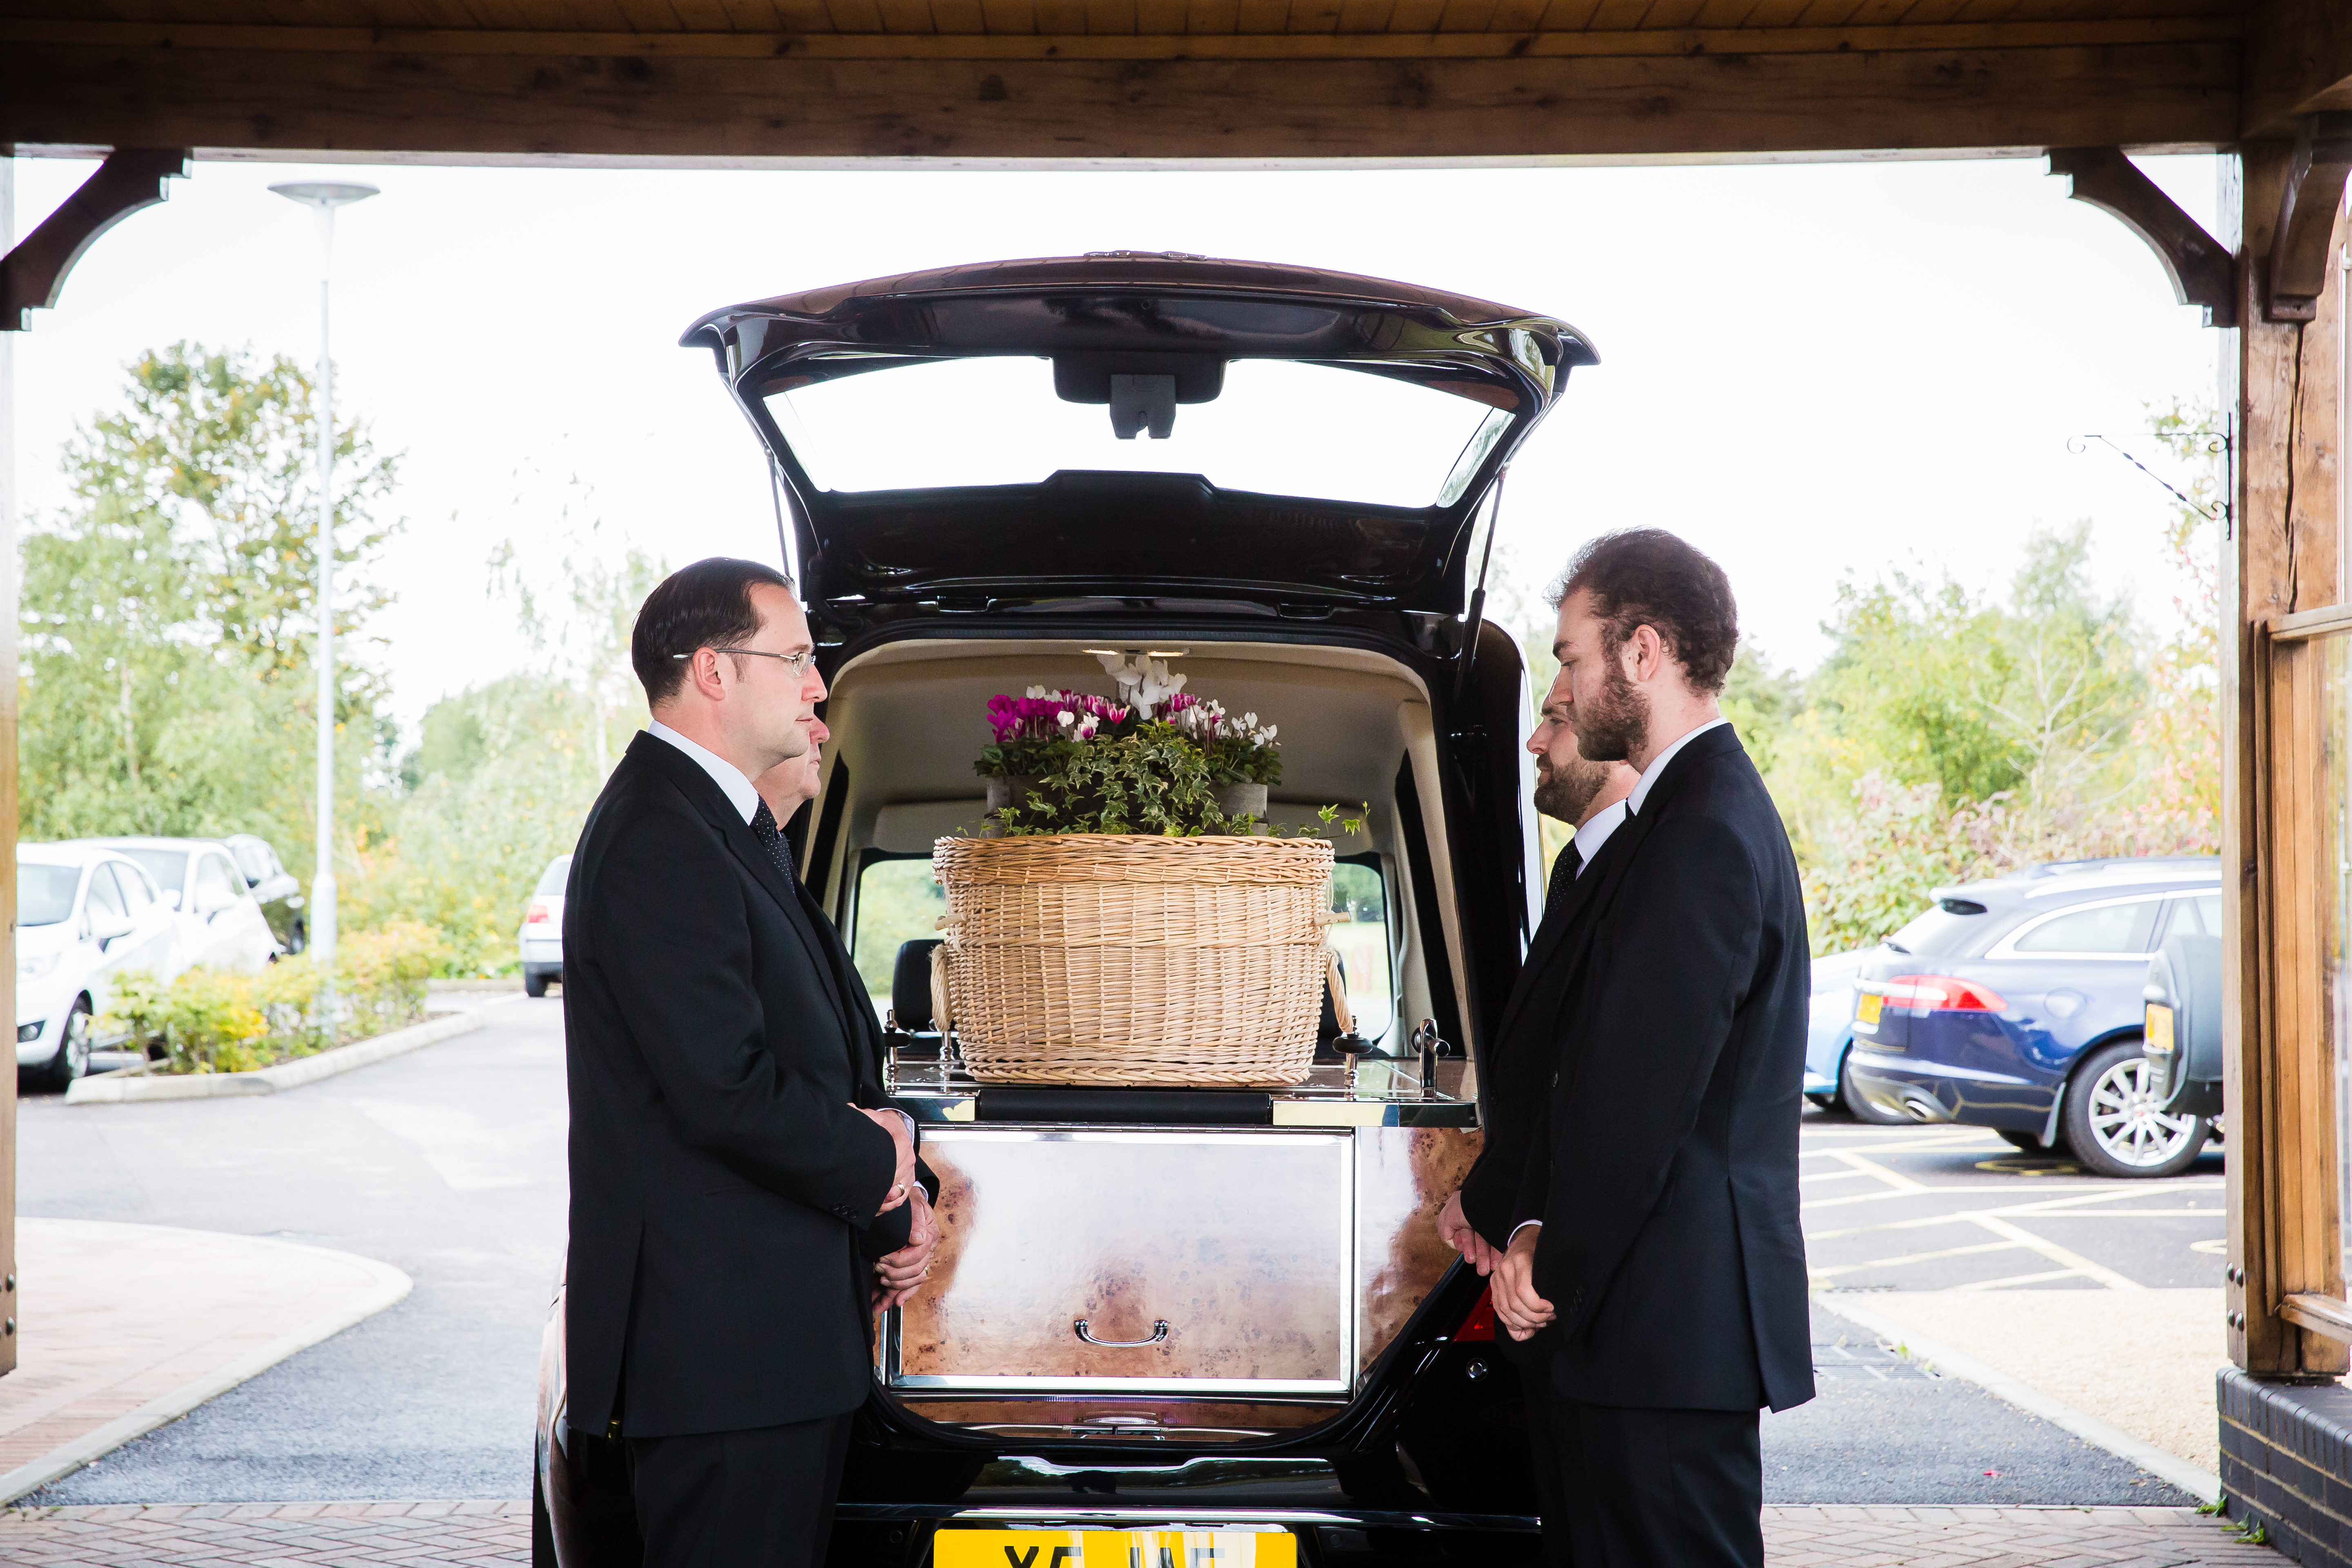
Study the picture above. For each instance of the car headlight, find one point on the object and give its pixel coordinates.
(36, 965)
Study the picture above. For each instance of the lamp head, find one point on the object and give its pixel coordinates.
(324, 194)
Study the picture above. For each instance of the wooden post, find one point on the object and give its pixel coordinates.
(2279, 380)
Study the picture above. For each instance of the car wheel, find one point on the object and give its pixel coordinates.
(1863, 1109)
(542, 1528)
(534, 982)
(2113, 1123)
(72, 1059)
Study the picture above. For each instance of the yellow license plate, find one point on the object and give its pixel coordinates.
(1114, 1549)
(1868, 1009)
(2160, 1030)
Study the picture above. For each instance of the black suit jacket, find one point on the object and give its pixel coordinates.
(1665, 1166)
(721, 1182)
(1517, 1073)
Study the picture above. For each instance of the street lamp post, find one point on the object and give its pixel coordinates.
(323, 199)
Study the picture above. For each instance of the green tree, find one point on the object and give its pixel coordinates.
(168, 611)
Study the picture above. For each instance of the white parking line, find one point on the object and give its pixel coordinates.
(2070, 1207)
(2073, 1261)
(2013, 1279)
(1916, 1257)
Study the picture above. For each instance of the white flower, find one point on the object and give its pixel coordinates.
(1066, 717)
(1037, 692)
(1249, 720)
(1268, 736)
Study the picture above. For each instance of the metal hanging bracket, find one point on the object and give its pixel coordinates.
(33, 275)
(2216, 445)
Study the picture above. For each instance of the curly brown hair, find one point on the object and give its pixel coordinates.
(1647, 577)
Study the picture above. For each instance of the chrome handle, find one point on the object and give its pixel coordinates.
(1159, 1333)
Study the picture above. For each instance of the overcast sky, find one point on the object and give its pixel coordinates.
(1810, 370)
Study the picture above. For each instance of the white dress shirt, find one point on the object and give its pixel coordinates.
(724, 773)
(1595, 833)
(1658, 763)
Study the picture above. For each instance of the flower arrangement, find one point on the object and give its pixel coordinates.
(1160, 761)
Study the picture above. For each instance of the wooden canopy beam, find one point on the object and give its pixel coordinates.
(2313, 189)
(797, 108)
(2202, 270)
(2298, 62)
(33, 274)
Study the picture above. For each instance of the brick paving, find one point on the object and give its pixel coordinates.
(1969, 1537)
(283, 1535)
(268, 1535)
(116, 1315)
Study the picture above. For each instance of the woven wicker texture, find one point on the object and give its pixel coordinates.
(1106, 959)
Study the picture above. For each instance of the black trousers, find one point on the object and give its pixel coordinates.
(1649, 1488)
(761, 1498)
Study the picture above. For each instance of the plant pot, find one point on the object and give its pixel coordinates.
(1009, 792)
(1242, 800)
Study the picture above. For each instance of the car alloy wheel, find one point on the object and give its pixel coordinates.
(72, 1059)
(2116, 1127)
(1860, 1109)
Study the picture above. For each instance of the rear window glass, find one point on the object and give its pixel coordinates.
(168, 867)
(1277, 428)
(1937, 933)
(45, 894)
(551, 880)
(2108, 927)
(2199, 916)
(897, 902)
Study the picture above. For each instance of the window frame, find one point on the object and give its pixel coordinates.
(2005, 948)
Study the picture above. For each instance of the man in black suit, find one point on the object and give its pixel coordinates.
(733, 1169)
(1656, 1232)
(1518, 1065)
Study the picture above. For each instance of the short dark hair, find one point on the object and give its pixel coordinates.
(1647, 577)
(706, 605)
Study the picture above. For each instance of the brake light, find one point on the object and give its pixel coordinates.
(1480, 1323)
(1943, 994)
(540, 913)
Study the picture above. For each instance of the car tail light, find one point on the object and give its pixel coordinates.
(540, 913)
(1480, 1323)
(1943, 994)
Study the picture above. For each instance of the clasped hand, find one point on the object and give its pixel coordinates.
(902, 1141)
(1511, 1269)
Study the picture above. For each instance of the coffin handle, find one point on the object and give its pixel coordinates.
(1159, 1333)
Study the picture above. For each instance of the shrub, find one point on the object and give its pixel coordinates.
(220, 1020)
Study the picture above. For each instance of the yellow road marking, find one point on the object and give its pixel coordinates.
(2016, 1280)
(2057, 1254)
(1916, 1257)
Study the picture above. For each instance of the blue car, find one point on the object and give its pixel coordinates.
(1829, 1038)
(2017, 1004)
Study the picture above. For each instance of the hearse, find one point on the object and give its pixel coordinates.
(1164, 1324)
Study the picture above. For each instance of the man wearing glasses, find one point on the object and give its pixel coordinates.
(734, 1173)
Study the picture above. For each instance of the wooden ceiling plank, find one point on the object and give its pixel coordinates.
(958, 17)
(1366, 15)
(1516, 16)
(703, 15)
(854, 15)
(1313, 16)
(1262, 16)
(1569, 15)
(1617, 15)
(1665, 15)
(1074, 110)
(1010, 18)
(1416, 15)
(906, 18)
(1467, 16)
(1110, 18)
(1160, 19)
(2298, 62)
(1212, 18)
(1063, 17)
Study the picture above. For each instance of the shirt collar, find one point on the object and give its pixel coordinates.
(1595, 833)
(724, 773)
(1633, 801)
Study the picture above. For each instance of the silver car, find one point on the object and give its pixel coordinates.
(541, 936)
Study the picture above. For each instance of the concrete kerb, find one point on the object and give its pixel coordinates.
(389, 1284)
(107, 1089)
(2169, 1468)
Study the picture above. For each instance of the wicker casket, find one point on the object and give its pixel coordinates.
(1126, 959)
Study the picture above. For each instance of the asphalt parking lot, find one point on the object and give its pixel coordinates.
(448, 1162)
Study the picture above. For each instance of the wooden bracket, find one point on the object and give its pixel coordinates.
(2198, 264)
(33, 274)
(2307, 220)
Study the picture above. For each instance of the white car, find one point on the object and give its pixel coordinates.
(541, 937)
(219, 922)
(84, 914)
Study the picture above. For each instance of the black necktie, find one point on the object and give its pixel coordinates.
(764, 828)
(1563, 876)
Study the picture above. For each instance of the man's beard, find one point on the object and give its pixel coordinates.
(1565, 792)
(1613, 726)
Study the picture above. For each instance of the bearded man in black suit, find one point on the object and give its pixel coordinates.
(1656, 1236)
(736, 1173)
(1476, 1220)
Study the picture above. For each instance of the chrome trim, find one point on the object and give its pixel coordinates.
(1159, 1333)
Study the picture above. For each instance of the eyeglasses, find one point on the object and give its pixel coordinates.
(796, 664)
